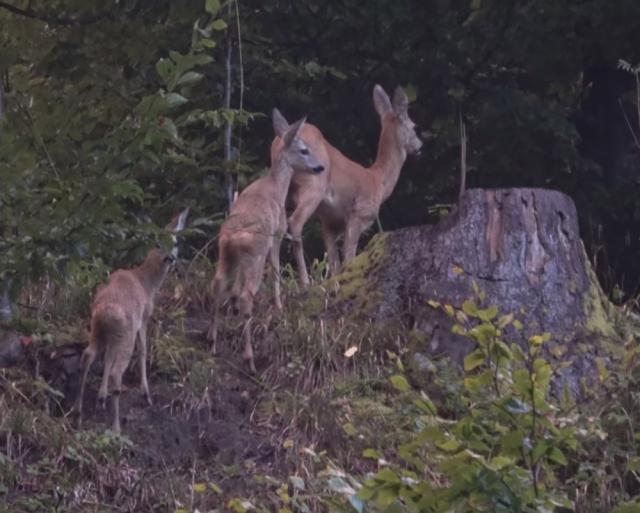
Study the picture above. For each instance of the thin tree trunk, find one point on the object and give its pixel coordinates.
(6, 311)
(463, 158)
(229, 185)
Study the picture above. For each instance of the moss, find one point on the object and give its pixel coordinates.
(355, 285)
(599, 312)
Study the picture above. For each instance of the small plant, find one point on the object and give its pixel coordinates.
(504, 453)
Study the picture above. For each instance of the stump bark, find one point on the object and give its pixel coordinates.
(522, 247)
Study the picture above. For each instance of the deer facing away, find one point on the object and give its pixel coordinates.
(254, 229)
(347, 197)
(119, 316)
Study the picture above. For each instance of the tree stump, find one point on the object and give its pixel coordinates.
(521, 247)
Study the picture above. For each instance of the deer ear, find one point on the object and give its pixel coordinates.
(381, 101)
(182, 220)
(400, 101)
(280, 124)
(292, 132)
(179, 221)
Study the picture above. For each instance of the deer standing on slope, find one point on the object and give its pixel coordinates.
(119, 316)
(347, 197)
(254, 229)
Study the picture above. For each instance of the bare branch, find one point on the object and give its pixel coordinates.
(463, 157)
(626, 118)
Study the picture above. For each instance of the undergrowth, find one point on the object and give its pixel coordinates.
(332, 421)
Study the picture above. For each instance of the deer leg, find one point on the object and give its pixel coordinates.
(109, 360)
(117, 388)
(142, 346)
(245, 302)
(330, 237)
(122, 356)
(304, 210)
(351, 237)
(274, 258)
(88, 357)
(218, 288)
(253, 277)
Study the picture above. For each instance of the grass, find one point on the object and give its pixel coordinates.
(215, 434)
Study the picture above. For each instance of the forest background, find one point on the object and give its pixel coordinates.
(116, 113)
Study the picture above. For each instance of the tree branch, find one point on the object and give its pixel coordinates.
(52, 19)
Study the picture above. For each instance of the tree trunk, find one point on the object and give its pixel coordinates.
(6, 311)
(521, 247)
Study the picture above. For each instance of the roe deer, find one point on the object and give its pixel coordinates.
(254, 229)
(347, 197)
(119, 316)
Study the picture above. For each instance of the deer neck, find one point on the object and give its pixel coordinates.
(150, 275)
(390, 158)
(281, 173)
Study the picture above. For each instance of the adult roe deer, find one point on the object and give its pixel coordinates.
(119, 316)
(254, 229)
(347, 197)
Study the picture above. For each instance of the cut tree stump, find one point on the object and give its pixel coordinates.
(522, 247)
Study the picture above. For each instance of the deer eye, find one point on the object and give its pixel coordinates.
(304, 151)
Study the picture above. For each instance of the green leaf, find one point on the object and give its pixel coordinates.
(505, 320)
(474, 360)
(479, 383)
(411, 92)
(500, 462)
(425, 404)
(386, 496)
(199, 487)
(487, 314)
(400, 383)
(456, 329)
(219, 24)
(350, 429)
(557, 456)
(541, 448)
(208, 43)
(212, 6)
(538, 340)
(470, 308)
(371, 454)
(175, 100)
(450, 445)
(366, 493)
(387, 475)
(189, 78)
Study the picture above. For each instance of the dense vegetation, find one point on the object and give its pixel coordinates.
(115, 114)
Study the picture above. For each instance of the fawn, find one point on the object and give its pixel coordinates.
(254, 229)
(119, 316)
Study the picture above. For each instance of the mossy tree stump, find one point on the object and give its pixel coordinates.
(521, 247)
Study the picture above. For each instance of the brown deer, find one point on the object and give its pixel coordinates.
(254, 229)
(119, 316)
(347, 197)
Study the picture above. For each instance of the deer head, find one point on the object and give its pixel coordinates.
(399, 109)
(160, 261)
(294, 150)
